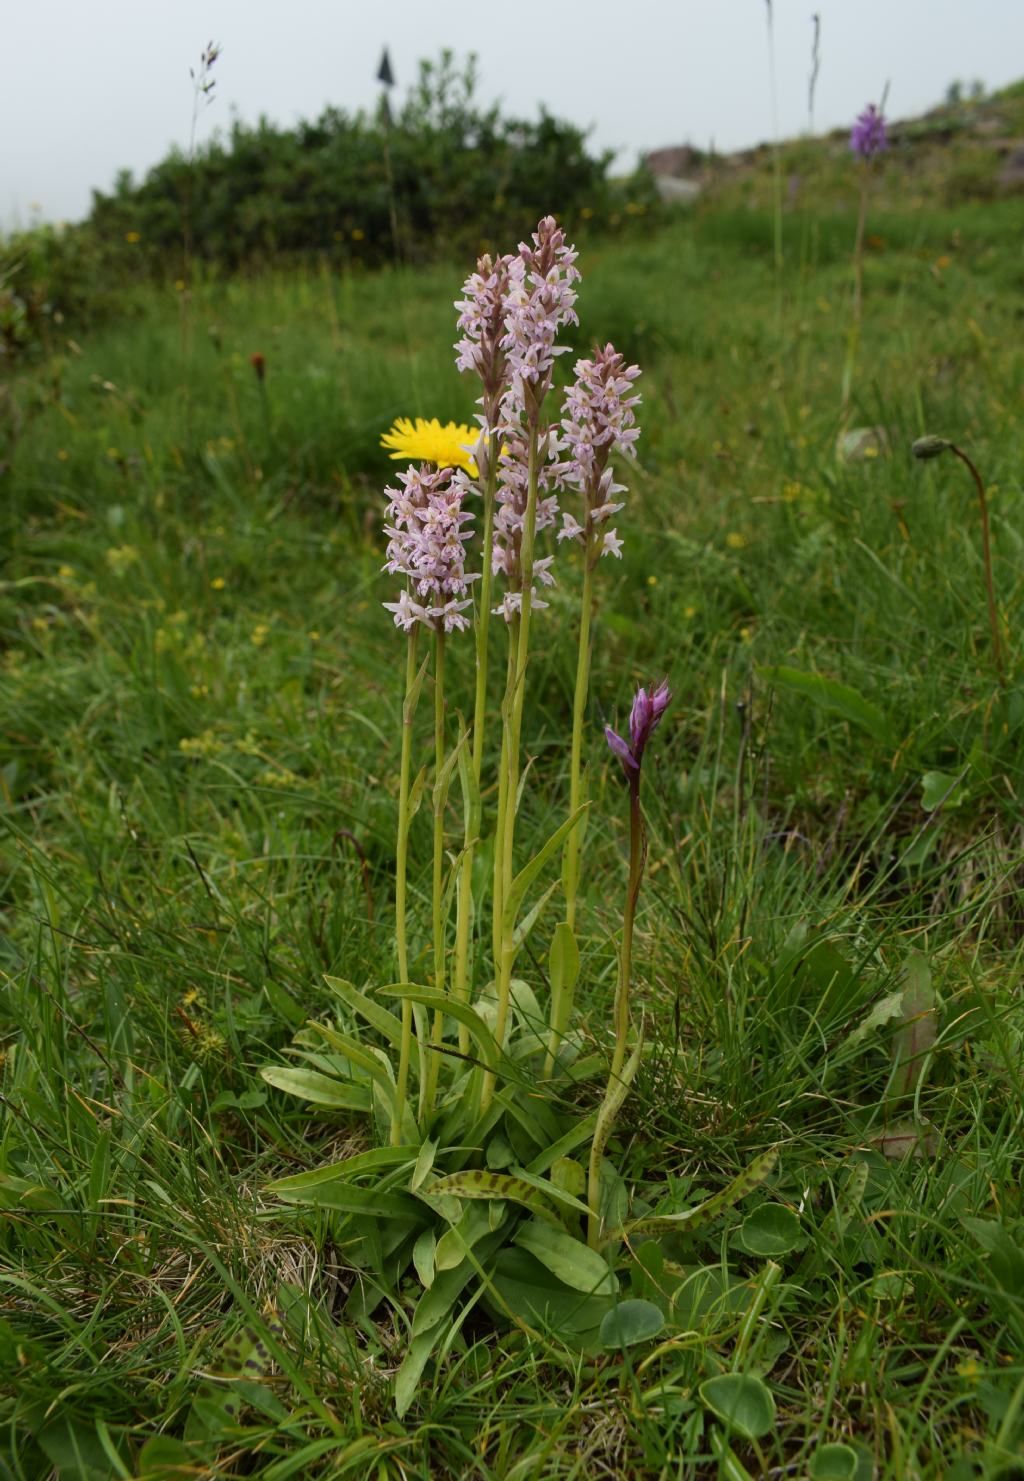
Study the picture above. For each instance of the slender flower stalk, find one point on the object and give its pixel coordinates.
(599, 419)
(648, 708)
(933, 447)
(401, 869)
(482, 320)
(867, 141)
(437, 890)
(539, 301)
(426, 529)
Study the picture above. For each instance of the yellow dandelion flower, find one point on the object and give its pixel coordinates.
(218, 583)
(429, 442)
(735, 540)
(132, 237)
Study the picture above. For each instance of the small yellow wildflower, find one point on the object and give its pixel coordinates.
(132, 237)
(358, 234)
(62, 454)
(67, 573)
(429, 442)
(735, 540)
(689, 613)
(314, 636)
(259, 634)
(120, 557)
(179, 285)
(218, 583)
(652, 581)
(205, 745)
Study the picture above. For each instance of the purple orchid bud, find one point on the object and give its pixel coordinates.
(648, 708)
(625, 755)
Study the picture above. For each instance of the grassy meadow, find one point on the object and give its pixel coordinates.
(200, 716)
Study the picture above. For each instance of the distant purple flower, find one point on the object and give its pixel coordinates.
(427, 545)
(648, 708)
(868, 137)
(598, 420)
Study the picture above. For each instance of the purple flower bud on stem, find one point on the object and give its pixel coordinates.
(648, 708)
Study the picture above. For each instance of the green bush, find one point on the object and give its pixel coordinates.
(442, 173)
(442, 176)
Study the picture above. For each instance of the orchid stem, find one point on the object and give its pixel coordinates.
(637, 859)
(512, 713)
(434, 1062)
(561, 1002)
(401, 866)
(464, 910)
(986, 548)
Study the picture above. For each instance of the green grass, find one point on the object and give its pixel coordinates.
(200, 704)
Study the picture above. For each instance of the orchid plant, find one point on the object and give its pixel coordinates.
(469, 1187)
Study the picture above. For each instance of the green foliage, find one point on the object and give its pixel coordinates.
(198, 693)
(446, 175)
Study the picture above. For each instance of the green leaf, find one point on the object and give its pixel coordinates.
(532, 916)
(73, 1447)
(703, 1213)
(740, 1401)
(423, 1257)
(833, 1463)
(377, 1016)
(888, 1008)
(917, 1033)
(573, 1138)
(416, 792)
(407, 1379)
(424, 1164)
(563, 969)
(939, 789)
(462, 1013)
(437, 1304)
(524, 879)
(349, 1199)
(563, 959)
(573, 1262)
(1006, 1258)
(471, 806)
(832, 696)
(456, 1242)
(614, 1097)
(442, 782)
(535, 1296)
(164, 1458)
(770, 1231)
(321, 1090)
(344, 1171)
(373, 1061)
(478, 1183)
(631, 1322)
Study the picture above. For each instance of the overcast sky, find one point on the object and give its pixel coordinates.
(91, 86)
